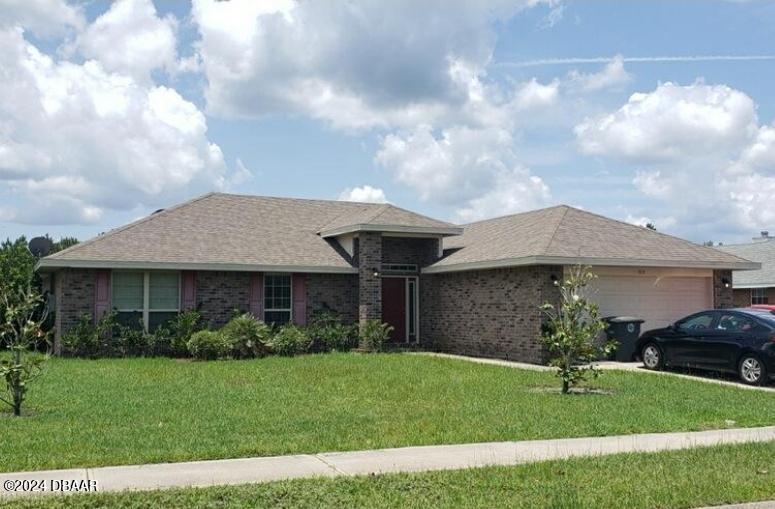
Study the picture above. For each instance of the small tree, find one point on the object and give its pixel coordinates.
(21, 328)
(572, 329)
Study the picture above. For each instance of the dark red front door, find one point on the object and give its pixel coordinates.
(394, 306)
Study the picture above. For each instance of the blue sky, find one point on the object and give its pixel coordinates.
(460, 110)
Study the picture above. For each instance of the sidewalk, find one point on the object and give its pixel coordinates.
(406, 459)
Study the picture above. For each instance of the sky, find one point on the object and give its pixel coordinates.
(653, 111)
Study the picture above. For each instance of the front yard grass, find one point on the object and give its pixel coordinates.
(126, 411)
(690, 478)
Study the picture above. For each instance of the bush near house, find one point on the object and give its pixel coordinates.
(109, 338)
(209, 345)
(243, 337)
(374, 335)
(290, 340)
(247, 336)
(329, 333)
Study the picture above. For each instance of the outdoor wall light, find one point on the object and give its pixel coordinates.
(726, 282)
(376, 272)
(553, 279)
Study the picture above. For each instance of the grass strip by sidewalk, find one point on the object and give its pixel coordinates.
(676, 479)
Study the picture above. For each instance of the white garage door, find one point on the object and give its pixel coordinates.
(659, 301)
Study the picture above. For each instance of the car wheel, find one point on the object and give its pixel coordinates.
(751, 370)
(651, 356)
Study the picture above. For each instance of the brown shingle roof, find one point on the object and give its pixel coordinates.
(386, 217)
(238, 232)
(232, 231)
(223, 229)
(565, 234)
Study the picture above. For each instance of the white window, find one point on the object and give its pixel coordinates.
(146, 299)
(277, 299)
(759, 296)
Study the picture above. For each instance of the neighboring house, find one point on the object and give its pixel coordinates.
(473, 289)
(755, 286)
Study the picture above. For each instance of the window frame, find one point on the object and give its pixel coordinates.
(146, 311)
(761, 298)
(267, 309)
(681, 325)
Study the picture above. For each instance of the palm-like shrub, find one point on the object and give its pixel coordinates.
(247, 335)
(374, 335)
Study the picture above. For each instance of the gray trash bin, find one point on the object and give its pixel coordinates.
(625, 330)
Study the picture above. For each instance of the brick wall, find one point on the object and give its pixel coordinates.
(722, 297)
(417, 251)
(74, 294)
(336, 292)
(741, 298)
(369, 287)
(218, 294)
(487, 313)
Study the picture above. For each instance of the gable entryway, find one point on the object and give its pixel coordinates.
(399, 307)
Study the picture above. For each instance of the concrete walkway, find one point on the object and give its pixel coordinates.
(406, 459)
(604, 365)
(751, 505)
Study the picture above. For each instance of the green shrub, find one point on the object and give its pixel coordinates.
(128, 341)
(328, 332)
(374, 335)
(247, 336)
(86, 339)
(208, 345)
(290, 340)
(172, 338)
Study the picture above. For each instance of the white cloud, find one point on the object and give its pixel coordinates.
(130, 38)
(76, 139)
(533, 94)
(474, 170)
(365, 194)
(355, 65)
(613, 75)
(672, 122)
(699, 153)
(45, 18)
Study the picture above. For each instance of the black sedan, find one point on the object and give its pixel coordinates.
(740, 341)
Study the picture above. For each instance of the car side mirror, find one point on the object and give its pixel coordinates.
(672, 327)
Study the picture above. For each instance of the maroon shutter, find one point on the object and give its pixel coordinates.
(299, 293)
(101, 293)
(188, 290)
(256, 295)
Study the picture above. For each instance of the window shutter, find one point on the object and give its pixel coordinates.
(188, 290)
(256, 295)
(101, 293)
(299, 299)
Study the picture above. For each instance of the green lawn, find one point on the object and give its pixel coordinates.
(106, 412)
(677, 479)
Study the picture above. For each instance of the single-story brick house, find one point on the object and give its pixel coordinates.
(472, 289)
(755, 286)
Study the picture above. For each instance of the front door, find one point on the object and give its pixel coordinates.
(394, 307)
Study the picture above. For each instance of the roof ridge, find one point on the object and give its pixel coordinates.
(379, 211)
(560, 205)
(556, 227)
(364, 206)
(142, 220)
(649, 231)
